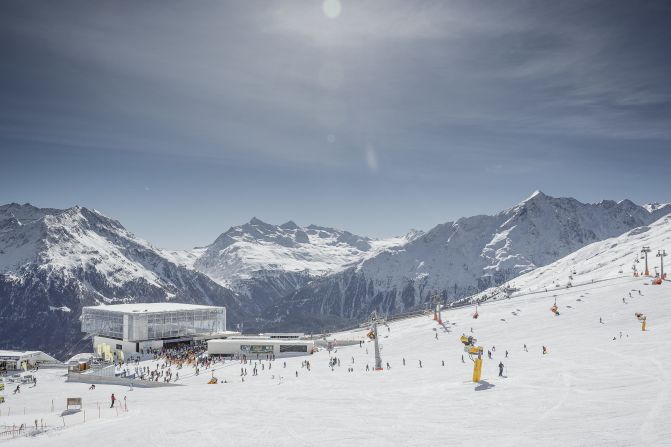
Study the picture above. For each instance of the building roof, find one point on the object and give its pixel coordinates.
(151, 307)
(38, 355)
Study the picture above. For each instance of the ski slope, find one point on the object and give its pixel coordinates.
(589, 390)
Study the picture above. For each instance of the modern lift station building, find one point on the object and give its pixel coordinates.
(137, 328)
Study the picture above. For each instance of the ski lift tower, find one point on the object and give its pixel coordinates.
(645, 252)
(373, 323)
(661, 254)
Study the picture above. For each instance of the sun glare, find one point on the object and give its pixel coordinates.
(332, 8)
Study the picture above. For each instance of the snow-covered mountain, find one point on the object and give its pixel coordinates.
(608, 260)
(266, 262)
(462, 258)
(53, 262)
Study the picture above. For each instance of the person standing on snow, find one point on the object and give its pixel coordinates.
(500, 369)
(113, 398)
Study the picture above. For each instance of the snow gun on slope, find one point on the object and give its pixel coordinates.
(642, 318)
(474, 353)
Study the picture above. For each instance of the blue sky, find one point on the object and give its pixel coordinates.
(183, 119)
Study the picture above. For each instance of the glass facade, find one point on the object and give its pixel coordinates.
(159, 325)
(103, 323)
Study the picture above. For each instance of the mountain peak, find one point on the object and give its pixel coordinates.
(290, 225)
(536, 195)
(256, 221)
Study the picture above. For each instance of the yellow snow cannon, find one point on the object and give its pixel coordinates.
(467, 340)
(642, 318)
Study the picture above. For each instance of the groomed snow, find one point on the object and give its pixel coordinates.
(593, 388)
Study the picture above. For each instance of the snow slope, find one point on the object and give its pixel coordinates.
(461, 258)
(616, 257)
(602, 384)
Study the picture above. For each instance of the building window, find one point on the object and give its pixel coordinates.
(119, 347)
(293, 348)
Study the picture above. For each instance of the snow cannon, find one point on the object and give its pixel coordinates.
(474, 353)
(474, 350)
(371, 335)
(554, 309)
(642, 318)
(657, 281)
(467, 340)
(213, 381)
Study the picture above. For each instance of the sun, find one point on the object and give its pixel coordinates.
(332, 8)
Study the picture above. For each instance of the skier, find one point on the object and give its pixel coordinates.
(403, 361)
(113, 399)
(545, 350)
(600, 320)
(443, 362)
(388, 367)
(500, 369)
(296, 373)
(17, 389)
(506, 353)
(420, 363)
(367, 368)
(462, 358)
(436, 335)
(525, 348)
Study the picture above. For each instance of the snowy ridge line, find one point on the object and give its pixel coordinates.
(473, 300)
